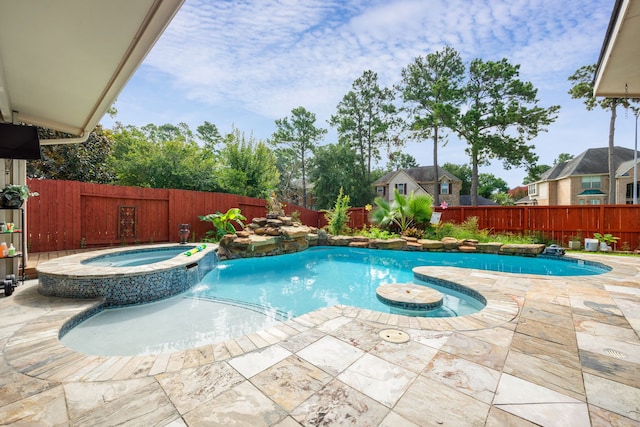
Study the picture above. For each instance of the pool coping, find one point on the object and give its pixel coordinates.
(43, 355)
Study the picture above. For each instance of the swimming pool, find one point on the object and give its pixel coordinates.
(243, 296)
(132, 258)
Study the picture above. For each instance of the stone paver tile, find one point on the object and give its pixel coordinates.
(251, 363)
(434, 339)
(538, 404)
(291, 382)
(410, 355)
(467, 377)
(605, 345)
(395, 420)
(359, 334)
(429, 402)
(546, 373)
(139, 401)
(381, 380)
(15, 386)
(613, 396)
(594, 316)
(243, 405)
(561, 321)
(476, 350)
(499, 418)
(562, 354)
(47, 408)
(330, 354)
(192, 387)
(287, 422)
(603, 418)
(612, 368)
(333, 324)
(303, 339)
(602, 329)
(497, 336)
(338, 404)
(547, 332)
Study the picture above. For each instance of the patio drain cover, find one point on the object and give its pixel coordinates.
(614, 353)
(394, 336)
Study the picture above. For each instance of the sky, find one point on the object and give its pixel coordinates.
(246, 63)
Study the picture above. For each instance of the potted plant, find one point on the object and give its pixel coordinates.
(14, 195)
(606, 240)
(575, 241)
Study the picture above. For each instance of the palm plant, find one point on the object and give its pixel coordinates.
(403, 212)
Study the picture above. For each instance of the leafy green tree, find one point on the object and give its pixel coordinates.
(364, 119)
(491, 184)
(247, 166)
(399, 160)
(463, 172)
(534, 172)
(300, 134)
(403, 212)
(289, 171)
(431, 92)
(161, 163)
(563, 157)
(209, 134)
(86, 161)
(501, 116)
(582, 88)
(335, 167)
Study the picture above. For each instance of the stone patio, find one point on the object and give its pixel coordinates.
(547, 351)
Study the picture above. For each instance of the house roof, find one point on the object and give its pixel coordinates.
(593, 161)
(626, 168)
(617, 71)
(465, 200)
(592, 192)
(63, 62)
(421, 174)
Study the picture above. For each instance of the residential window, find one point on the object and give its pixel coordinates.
(594, 201)
(591, 182)
(402, 188)
(444, 188)
(533, 189)
(630, 190)
(380, 190)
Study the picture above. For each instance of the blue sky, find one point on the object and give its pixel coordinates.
(246, 63)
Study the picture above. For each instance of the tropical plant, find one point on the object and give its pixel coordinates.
(607, 238)
(403, 212)
(338, 217)
(222, 222)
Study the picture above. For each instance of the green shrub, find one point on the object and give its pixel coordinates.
(338, 218)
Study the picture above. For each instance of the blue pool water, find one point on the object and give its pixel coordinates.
(243, 296)
(136, 257)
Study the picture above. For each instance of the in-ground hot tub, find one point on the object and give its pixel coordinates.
(125, 276)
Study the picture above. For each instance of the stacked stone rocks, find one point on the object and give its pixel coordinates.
(276, 235)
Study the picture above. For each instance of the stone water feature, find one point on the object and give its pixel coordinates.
(276, 235)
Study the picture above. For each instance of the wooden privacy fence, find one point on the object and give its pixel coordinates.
(70, 215)
(559, 223)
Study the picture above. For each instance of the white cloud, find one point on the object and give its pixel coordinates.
(261, 58)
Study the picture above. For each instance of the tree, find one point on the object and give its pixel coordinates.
(431, 91)
(562, 158)
(463, 172)
(300, 134)
(86, 161)
(143, 158)
(289, 171)
(503, 199)
(247, 166)
(490, 184)
(582, 88)
(399, 160)
(335, 167)
(365, 117)
(534, 172)
(209, 134)
(500, 117)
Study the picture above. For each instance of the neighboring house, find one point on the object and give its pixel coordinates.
(584, 180)
(420, 180)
